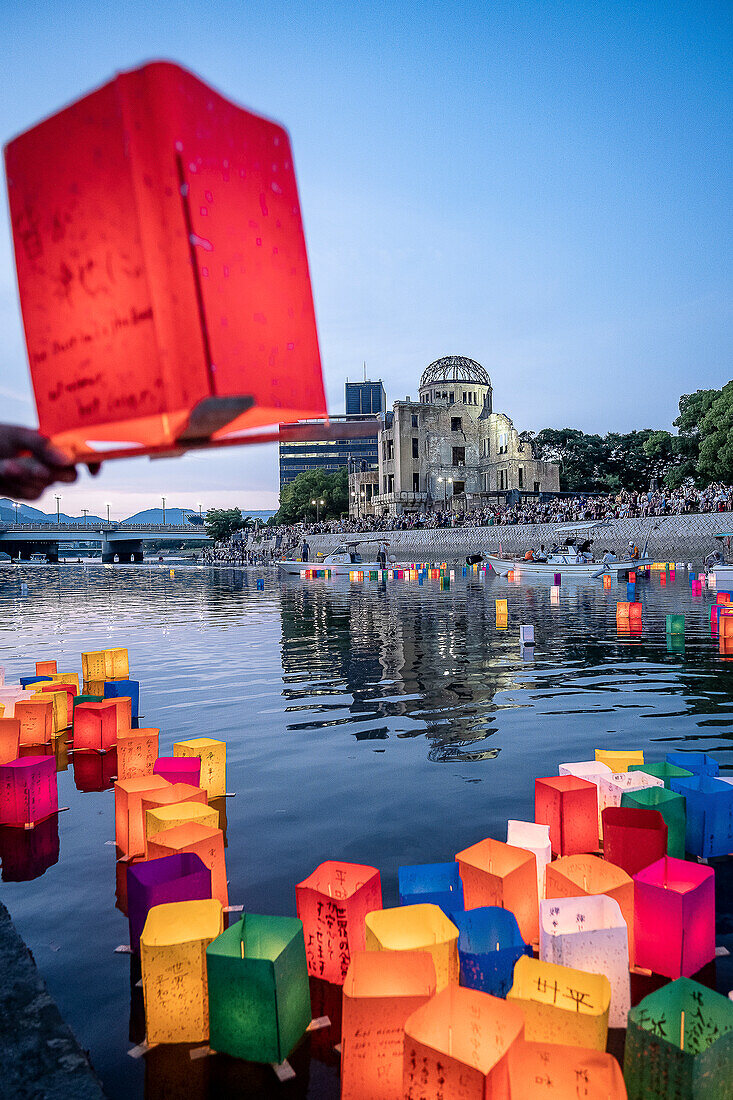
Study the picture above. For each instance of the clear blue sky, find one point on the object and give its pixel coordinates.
(544, 187)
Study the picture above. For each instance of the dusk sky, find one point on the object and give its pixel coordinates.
(544, 187)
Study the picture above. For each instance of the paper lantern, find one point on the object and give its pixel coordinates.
(67, 679)
(500, 874)
(259, 999)
(534, 838)
(94, 771)
(380, 992)
(173, 957)
(79, 699)
(62, 711)
(27, 854)
(203, 841)
(213, 757)
(45, 668)
(489, 944)
(578, 876)
(607, 581)
(675, 624)
(589, 933)
(672, 808)
(137, 751)
(569, 805)
(9, 739)
(675, 917)
(28, 790)
(662, 770)
(332, 904)
(95, 726)
(180, 877)
(680, 1043)
(116, 664)
(187, 212)
(36, 721)
(30, 683)
(435, 883)
(179, 769)
(93, 665)
(633, 838)
(12, 694)
(561, 1004)
(502, 609)
(128, 812)
(125, 687)
(167, 796)
(618, 760)
(123, 713)
(699, 763)
(709, 808)
(179, 813)
(612, 787)
(538, 1070)
(458, 1045)
(416, 928)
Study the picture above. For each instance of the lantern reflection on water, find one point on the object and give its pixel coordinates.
(332, 903)
(417, 928)
(27, 853)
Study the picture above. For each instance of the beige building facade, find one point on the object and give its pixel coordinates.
(449, 449)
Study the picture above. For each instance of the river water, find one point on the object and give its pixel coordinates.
(383, 724)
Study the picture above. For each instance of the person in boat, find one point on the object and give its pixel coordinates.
(609, 557)
(475, 559)
(633, 551)
(541, 555)
(529, 556)
(716, 558)
(585, 552)
(382, 556)
(305, 550)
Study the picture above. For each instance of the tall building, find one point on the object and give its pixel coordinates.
(363, 400)
(449, 449)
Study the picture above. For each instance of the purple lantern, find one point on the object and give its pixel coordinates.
(180, 877)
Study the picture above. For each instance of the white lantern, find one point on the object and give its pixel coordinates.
(611, 787)
(533, 838)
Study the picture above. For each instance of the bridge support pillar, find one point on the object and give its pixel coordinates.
(128, 551)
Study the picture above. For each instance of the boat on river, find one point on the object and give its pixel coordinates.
(345, 559)
(570, 562)
(723, 572)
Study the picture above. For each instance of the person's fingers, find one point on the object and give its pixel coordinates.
(67, 474)
(94, 468)
(26, 439)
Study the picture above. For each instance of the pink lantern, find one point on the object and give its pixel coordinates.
(28, 790)
(179, 769)
(674, 914)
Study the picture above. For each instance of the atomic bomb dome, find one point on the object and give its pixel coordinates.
(454, 368)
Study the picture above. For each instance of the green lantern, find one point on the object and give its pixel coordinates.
(259, 997)
(672, 808)
(679, 1043)
(675, 624)
(87, 699)
(662, 770)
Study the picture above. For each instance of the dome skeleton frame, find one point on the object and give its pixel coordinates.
(454, 368)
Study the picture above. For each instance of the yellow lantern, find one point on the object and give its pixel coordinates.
(66, 678)
(494, 873)
(417, 928)
(93, 667)
(560, 1004)
(179, 813)
(619, 760)
(60, 701)
(173, 959)
(167, 796)
(137, 751)
(213, 757)
(116, 664)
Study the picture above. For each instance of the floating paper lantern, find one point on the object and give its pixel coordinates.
(178, 813)
(672, 808)
(9, 739)
(612, 787)
(213, 757)
(28, 790)
(569, 805)
(128, 812)
(434, 883)
(151, 800)
(607, 581)
(618, 760)
(123, 713)
(205, 842)
(555, 594)
(380, 992)
(526, 634)
(36, 721)
(675, 624)
(179, 769)
(26, 854)
(125, 687)
(502, 609)
(173, 956)
(458, 1045)
(709, 807)
(116, 664)
(589, 933)
(30, 683)
(416, 928)
(332, 903)
(662, 770)
(94, 771)
(577, 876)
(586, 769)
(66, 679)
(699, 763)
(137, 751)
(489, 944)
(61, 710)
(561, 1004)
(95, 726)
(675, 917)
(259, 999)
(633, 838)
(535, 838)
(93, 665)
(543, 1069)
(680, 1043)
(500, 874)
(181, 877)
(45, 668)
(628, 613)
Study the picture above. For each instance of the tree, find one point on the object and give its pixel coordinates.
(715, 462)
(296, 496)
(583, 458)
(221, 523)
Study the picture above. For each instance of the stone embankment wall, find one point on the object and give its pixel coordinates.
(677, 538)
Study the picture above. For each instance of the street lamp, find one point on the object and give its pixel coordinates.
(318, 504)
(163, 499)
(58, 512)
(108, 507)
(200, 511)
(17, 506)
(446, 482)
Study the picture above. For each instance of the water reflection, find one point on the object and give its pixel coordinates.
(27, 854)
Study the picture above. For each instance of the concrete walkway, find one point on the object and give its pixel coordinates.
(40, 1058)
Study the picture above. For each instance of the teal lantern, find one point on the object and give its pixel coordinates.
(662, 770)
(672, 808)
(259, 997)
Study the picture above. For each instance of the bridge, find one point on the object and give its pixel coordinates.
(123, 541)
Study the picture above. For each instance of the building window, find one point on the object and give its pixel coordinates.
(414, 420)
(416, 483)
(459, 456)
(451, 398)
(390, 483)
(390, 449)
(521, 477)
(456, 424)
(414, 447)
(465, 399)
(384, 483)
(459, 487)
(503, 443)
(537, 486)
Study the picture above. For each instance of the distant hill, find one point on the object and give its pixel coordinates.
(27, 514)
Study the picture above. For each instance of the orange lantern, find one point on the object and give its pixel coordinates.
(577, 876)
(422, 927)
(458, 1045)
(128, 812)
(332, 904)
(494, 873)
(205, 842)
(167, 796)
(36, 721)
(137, 751)
(380, 992)
(539, 1070)
(561, 1004)
(95, 726)
(569, 805)
(45, 668)
(123, 712)
(9, 739)
(191, 315)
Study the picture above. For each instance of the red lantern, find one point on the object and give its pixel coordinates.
(162, 268)
(28, 791)
(95, 726)
(633, 838)
(569, 805)
(332, 904)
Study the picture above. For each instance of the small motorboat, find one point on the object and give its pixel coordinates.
(345, 559)
(570, 560)
(723, 571)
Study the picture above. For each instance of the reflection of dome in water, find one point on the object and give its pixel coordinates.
(454, 368)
